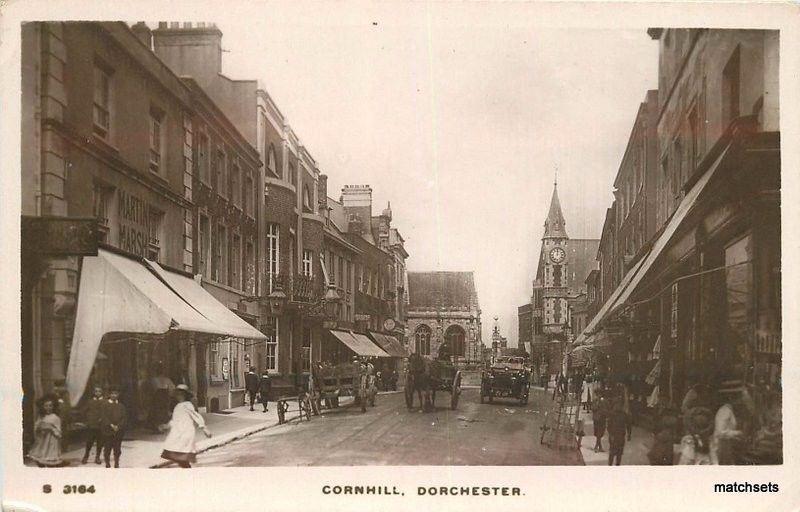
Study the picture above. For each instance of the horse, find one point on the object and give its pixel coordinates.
(422, 377)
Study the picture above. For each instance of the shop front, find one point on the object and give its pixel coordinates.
(139, 325)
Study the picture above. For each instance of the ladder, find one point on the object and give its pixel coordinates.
(560, 424)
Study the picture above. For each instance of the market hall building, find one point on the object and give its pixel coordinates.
(111, 168)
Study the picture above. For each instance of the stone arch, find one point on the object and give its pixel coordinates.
(456, 337)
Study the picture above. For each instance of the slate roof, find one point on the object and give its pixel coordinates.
(442, 289)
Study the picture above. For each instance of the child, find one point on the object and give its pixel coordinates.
(113, 423)
(617, 430)
(93, 416)
(46, 449)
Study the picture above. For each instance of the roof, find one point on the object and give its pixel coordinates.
(554, 225)
(442, 289)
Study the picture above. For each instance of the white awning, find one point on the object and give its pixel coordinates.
(359, 343)
(120, 295)
(389, 344)
(637, 273)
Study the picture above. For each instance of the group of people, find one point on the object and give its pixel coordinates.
(106, 420)
(611, 413)
(258, 388)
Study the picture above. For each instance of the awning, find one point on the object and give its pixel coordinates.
(389, 344)
(117, 295)
(637, 273)
(358, 343)
(224, 320)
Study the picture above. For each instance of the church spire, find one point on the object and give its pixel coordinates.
(554, 225)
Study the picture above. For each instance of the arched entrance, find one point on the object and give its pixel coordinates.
(455, 337)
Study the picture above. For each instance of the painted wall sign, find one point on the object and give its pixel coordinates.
(134, 220)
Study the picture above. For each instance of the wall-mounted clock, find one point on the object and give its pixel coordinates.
(557, 255)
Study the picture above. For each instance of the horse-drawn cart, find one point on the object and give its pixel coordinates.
(427, 376)
(344, 379)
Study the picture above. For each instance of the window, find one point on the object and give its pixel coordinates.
(422, 340)
(557, 276)
(235, 188)
(203, 159)
(222, 255)
(307, 200)
(273, 254)
(101, 208)
(236, 262)
(340, 268)
(250, 268)
(220, 185)
(308, 265)
(156, 139)
(101, 112)
(204, 247)
(292, 175)
(730, 89)
(271, 331)
(154, 228)
(247, 196)
(272, 165)
(236, 367)
(306, 356)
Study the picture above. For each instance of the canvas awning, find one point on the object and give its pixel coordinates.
(637, 273)
(122, 295)
(358, 343)
(389, 344)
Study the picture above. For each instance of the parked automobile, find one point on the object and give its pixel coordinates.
(506, 377)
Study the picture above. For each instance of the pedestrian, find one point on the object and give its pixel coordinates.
(93, 416)
(46, 449)
(264, 388)
(729, 425)
(661, 453)
(696, 444)
(161, 388)
(586, 394)
(599, 419)
(251, 385)
(624, 395)
(113, 420)
(617, 427)
(179, 446)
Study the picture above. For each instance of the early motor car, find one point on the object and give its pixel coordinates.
(506, 377)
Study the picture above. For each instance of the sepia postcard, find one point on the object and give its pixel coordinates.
(399, 255)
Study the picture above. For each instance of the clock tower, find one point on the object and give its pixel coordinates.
(552, 270)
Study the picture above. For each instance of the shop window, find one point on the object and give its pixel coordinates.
(214, 367)
(235, 356)
(739, 288)
(271, 352)
(101, 111)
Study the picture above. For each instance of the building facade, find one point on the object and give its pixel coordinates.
(443, 307)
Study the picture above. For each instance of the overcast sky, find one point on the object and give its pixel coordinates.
(460, 124)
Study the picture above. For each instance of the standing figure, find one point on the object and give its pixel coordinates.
(617, 427)
(251, 385)
(599, 418)
(46, 449)
(179, 447)
(93, 415)
(729, 421)
(112, 425)
(264, 388)
(161, 387)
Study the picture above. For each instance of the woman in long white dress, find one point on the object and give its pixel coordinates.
(179, 447)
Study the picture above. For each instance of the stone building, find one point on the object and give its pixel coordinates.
(444, 306)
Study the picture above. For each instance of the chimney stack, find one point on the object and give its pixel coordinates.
(144, 34)
(193, 49)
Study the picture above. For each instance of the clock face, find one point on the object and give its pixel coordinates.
(557, 255)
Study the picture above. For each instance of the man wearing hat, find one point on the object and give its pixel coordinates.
(251, 385)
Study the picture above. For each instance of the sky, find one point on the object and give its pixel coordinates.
(460, 123)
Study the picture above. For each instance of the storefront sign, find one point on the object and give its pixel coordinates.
(134, 223)
(363, 318)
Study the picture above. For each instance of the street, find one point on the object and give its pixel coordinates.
(502, 434)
